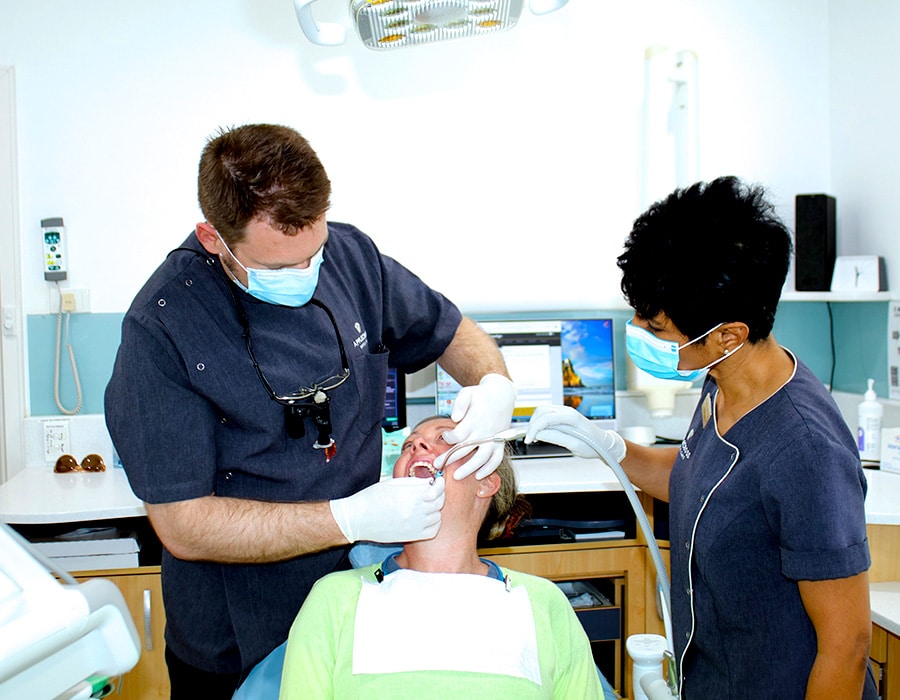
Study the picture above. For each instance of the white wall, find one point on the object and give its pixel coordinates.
(865, 134)
(484, 164)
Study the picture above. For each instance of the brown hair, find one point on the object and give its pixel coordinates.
(261, 171)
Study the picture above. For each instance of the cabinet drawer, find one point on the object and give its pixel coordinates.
(601, 623)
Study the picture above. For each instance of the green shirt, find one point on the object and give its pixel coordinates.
(318, 661)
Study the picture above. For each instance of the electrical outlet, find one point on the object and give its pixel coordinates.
(68, 301)
(56, 439)
(76, 301)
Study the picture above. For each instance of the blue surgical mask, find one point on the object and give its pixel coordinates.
(288, 286)
(659, 357)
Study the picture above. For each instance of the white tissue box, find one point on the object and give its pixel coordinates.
(890, 450)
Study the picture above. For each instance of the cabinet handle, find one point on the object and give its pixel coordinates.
(148, 622)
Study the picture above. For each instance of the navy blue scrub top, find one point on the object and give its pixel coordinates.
(189, 417)
(780, 498)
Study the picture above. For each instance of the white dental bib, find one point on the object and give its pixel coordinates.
(416, 621)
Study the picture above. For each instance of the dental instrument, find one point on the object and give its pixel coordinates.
(503, 436)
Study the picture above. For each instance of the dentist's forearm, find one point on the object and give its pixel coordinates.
(239, 531)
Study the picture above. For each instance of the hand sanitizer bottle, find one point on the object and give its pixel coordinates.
(868, 433)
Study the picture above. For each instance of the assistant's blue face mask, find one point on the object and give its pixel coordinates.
(289, 286)
(659, 358)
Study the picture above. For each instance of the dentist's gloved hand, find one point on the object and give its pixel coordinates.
(396, 510)
(481, 411)
(549, 423)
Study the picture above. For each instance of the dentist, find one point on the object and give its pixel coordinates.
(770, 596)
(247, 397)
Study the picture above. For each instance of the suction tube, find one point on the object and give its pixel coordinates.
(662, 577)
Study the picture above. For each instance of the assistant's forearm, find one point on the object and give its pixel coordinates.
(232, 530)
(834, 676)
(649, 468)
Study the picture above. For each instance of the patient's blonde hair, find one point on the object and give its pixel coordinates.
(507, 506)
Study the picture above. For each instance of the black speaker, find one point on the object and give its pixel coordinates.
(814, 246)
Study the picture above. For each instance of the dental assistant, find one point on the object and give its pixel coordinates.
(247, 397)
(769, 555)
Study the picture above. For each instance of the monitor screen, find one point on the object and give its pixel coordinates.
(552, 361)
(394, 401)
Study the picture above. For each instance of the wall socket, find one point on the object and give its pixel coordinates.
(77, 301)
(56, 439)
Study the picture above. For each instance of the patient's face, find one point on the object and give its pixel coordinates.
(422, 447)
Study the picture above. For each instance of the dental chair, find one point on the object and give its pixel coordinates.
(58, 639)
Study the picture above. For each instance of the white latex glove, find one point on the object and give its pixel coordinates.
(548, 424)
(481, 411)
(395, 510)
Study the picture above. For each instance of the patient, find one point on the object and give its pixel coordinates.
(436, 621)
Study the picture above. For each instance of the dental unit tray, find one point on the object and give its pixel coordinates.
(53, 637)
(390, 24)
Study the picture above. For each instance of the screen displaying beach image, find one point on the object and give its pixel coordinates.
(589, 382)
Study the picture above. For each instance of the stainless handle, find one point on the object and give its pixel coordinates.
(148, 622)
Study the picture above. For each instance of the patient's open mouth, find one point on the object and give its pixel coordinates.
(422, 470)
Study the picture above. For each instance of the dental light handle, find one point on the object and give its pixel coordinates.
(324, 34)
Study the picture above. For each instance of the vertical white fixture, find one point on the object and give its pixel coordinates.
(669, 159)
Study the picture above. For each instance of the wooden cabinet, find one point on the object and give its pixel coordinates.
(142, 590)
(622, 561)
(625, 562)
(885, 655)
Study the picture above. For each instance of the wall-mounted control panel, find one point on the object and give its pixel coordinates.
(55, 262)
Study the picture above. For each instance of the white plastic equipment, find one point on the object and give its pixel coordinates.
(55, 635)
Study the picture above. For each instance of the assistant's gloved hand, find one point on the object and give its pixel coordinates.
(549, 423)
(396, 510)
(481, 411)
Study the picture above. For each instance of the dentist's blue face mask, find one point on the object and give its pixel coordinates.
(289, 286)
(659, 357)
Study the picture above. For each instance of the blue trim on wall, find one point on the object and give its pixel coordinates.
(860, 337)
(94, 338)
(860, 341)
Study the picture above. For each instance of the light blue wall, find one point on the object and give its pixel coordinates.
(94, 338)
(860, 348)
(860, 341)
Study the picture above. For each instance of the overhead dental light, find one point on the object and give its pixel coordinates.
(391, 24)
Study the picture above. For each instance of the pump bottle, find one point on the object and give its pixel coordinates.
(869, 426)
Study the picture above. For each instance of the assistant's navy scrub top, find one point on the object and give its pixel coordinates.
(780, 498)
(189, 417)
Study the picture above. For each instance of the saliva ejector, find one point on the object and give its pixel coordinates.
(654, 672)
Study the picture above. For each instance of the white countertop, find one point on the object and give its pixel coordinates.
(38, 495)
(882, 498)
(885, 602)
(564, 475)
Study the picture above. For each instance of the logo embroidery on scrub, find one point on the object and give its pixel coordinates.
(362, 339)
(684, 450)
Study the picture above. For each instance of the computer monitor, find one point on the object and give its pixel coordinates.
(552, 361)
(394, 401)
